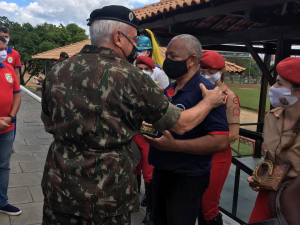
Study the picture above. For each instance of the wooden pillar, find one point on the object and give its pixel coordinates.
(283, 50)
(263, 95)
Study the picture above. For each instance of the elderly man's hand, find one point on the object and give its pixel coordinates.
(164, 143)
(3, 125)
(214, 97)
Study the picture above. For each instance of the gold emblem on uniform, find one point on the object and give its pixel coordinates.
(284, 101)
(10, 59)
(131, 16)
(8, 77)
(147, 128)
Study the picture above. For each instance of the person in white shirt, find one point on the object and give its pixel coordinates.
(145, 48)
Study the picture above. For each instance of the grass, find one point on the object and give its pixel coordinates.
(244, 149)
(250, 98)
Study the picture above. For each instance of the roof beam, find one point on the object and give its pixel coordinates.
(231, 48)
(260, 63)
(237, 6)
(253, 35)
(258, 16)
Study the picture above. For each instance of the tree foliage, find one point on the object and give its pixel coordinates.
(252, 68)
(30, 40)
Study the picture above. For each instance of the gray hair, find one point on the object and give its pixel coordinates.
(192, 45)
(101, 31)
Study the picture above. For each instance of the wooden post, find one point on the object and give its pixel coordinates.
(263, 95)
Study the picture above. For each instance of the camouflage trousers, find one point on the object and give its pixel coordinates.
(52, 217)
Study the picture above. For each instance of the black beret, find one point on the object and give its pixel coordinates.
(114, 12)
(64, 54)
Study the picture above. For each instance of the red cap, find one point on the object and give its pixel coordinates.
(289, 69)
(145, 60)
(212, 60)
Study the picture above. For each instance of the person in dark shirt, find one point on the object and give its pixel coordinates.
(181, 175)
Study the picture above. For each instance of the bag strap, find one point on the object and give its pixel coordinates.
(280, 216)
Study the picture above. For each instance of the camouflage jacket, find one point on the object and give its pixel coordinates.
(94, 104)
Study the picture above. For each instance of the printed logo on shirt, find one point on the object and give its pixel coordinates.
(181, 107)
(8, 77)
(10, 59)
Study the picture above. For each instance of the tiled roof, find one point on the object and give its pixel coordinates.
(70, 49)
(76, 47)
(164, 6)
(232, 67)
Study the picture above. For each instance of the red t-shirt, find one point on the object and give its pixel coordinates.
(13, 58)
(9, 86)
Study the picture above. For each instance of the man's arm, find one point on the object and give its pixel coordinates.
(194, 116)
(16, 104)
(234, 130)
(14, 109)
(208, 144)
(17, 71)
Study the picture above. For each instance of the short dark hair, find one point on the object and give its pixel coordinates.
(2, 39)
(4, 30)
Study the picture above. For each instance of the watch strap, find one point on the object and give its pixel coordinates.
(13, 119)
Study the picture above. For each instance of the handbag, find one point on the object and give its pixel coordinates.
(280, 220)
(269, 176)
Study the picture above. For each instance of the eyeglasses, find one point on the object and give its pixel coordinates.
(136, 39)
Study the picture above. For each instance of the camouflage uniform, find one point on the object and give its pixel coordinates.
(94, 104)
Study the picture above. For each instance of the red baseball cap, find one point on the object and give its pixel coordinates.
(212, 60)
(145, 60)
(289, 69)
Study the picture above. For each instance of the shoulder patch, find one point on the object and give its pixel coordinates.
(236, 111)
(236, 99)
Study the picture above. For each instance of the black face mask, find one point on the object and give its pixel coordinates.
(175, 69)
(133, 54)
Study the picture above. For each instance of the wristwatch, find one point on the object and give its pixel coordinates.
(13, 119)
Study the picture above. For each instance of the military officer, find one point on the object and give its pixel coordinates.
(94, 104)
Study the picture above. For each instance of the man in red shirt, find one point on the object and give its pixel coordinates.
(13, 57)
(9, 106)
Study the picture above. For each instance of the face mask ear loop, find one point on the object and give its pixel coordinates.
(186, 61)
(123, 52)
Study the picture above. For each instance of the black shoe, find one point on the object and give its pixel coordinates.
(148, 219)
(144, 201)
(216, 221)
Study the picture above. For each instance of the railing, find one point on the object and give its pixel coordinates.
(247, 165)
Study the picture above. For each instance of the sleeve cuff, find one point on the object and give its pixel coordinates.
(16, 67)
(170, 118)
(45, 119)
(219, 133)
(16, 92)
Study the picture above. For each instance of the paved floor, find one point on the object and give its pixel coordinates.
(27, 164)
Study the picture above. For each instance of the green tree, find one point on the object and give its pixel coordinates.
(30, 40)
(252, 68)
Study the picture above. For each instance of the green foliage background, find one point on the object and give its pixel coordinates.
(30, 40)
